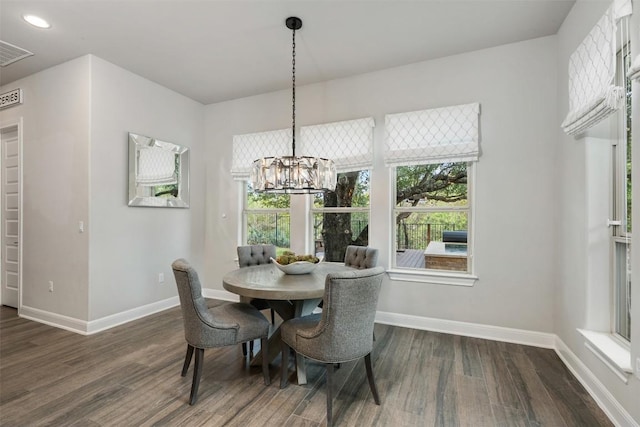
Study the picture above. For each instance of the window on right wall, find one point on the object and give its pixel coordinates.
(431, 154)
(621, 208)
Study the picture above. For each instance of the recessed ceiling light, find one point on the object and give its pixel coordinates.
(36, 21)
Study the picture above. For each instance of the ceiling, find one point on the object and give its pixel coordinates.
(217, 50)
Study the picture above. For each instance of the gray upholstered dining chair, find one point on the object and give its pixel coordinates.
(342, 332)
(224, 325)
(360, 257)
(256, 255)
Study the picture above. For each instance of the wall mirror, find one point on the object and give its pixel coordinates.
(158, 173)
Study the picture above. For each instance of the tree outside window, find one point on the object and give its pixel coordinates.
(431, 217)
(341, 217)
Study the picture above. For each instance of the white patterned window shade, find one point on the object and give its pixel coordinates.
(253, 146)
(156, 166)
(348, 143)
(592, 68)
(448, 134)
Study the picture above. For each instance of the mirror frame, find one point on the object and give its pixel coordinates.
(144, 194)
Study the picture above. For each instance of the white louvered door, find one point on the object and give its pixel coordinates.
(10, 203)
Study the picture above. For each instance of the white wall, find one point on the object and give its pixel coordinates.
(55, 186)
(130, 246)
(515, 210)
(582, 294)
(76, 117)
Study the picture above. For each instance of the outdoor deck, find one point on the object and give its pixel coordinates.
(410, 258)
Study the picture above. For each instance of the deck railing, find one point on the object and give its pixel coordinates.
(417, 236)
(274, 228)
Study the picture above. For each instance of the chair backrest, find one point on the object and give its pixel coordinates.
(345, 331)
(360, 257)
(255, 255)
(201, 330)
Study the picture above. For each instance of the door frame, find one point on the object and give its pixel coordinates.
(4, 125)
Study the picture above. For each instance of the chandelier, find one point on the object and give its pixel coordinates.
(293, 174)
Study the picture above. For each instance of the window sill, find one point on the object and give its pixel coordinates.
(437, 278)
(613, 354)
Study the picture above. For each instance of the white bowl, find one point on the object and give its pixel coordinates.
(298, 267)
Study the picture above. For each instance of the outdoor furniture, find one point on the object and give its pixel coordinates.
(459, 236)
(224, 325)
(450, 254)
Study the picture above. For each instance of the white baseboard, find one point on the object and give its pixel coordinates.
(495, 333)
(603, 397)
(87, 328)
(53, 319)
(127, 316)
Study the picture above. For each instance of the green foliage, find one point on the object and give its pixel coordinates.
(438, 184)
(267, 200)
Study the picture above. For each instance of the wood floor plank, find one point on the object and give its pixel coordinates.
(509, 417)
(130, 376)
(467, 357)
(570, 398)
(539, 408)
(474, 409)
(500, 386)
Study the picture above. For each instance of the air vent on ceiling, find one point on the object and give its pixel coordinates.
(10, 53)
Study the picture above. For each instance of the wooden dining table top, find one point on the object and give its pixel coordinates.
(266, 281)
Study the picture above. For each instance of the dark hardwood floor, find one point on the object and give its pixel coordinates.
(130, 376)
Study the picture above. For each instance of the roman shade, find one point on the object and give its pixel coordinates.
(253, 146)
(592, 69)
(438, 135)
(348, 143)
(156, 166)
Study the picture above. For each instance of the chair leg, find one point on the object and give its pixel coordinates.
(273, 317)
(372, 383)
(330, 368)
(244, 349)
(264, 346)
(251, 349)
(197, 371)
(187, 359)
(284, 369)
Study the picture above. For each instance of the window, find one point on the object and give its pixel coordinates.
(431, 155)
(621, 235)
(267, 219)
(431, 217)
(341, 218)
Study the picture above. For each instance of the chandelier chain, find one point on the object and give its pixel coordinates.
(293, 93)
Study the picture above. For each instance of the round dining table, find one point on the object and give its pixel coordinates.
(290, 295)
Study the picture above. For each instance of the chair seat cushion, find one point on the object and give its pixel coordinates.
(253, 324)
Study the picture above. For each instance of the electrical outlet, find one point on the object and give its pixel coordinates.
(160, 277)
(50, 285)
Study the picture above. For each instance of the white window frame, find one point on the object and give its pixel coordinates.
(439, 277)
(619, 232)
(343, 209)
(245, 212)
